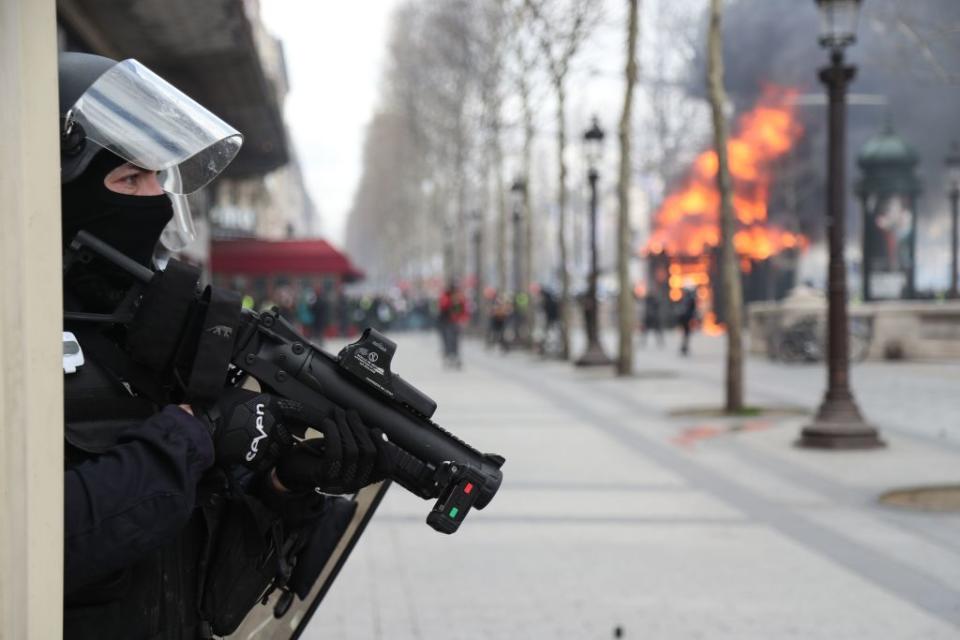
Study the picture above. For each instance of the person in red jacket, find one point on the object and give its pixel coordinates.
(453, 314)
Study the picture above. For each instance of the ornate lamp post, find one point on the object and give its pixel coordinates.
(838, 424)
(594, 355)
(953, 172)
(518, 190)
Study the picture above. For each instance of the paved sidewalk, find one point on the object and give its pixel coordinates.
(615, 514)
(913, 398)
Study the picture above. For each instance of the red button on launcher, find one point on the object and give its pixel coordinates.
(468, 488)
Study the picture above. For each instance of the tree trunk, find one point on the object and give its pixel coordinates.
(458, 240)
(564, 301)
(499, 191)
(626, 305)
(528, 268)
(441, 196)
(460, 229)
(729, 267)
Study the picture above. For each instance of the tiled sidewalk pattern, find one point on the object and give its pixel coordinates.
(605, 519)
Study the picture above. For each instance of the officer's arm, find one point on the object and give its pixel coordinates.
(133, 498)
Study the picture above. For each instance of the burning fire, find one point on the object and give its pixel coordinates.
(686, 226)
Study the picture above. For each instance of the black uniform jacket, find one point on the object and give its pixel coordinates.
(132, 533)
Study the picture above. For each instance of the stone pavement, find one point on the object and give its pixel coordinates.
(915, 398)
(615, 513)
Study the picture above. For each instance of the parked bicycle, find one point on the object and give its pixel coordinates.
(805, 340)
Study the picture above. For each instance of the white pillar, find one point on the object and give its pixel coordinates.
(31, 377)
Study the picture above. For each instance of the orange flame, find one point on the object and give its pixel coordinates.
(687, 223)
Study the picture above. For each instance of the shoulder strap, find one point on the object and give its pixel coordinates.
(155, 332)
(113, 358)
(214, 348)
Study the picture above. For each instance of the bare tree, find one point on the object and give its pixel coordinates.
(925, 35)
(430, 93)
(729, 267)
(385, 201)
(671, 128)
(492, 53)
(526, 65)
(625, 300)
(522, 70)
(561, 28)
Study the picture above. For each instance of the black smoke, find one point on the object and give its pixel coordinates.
(907, 56)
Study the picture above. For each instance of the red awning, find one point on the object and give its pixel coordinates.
(282, 257)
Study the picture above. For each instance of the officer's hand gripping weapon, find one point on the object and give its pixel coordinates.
(429, 461)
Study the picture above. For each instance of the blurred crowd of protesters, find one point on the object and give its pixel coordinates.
(320, 313)
(505, 321)
(533, 320)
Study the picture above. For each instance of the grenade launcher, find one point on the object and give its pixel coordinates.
(430, 462)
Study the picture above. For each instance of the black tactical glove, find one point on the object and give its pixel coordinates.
(246, 429)
(348, 457)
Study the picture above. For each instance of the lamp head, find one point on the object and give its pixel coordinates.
(593, 140)
(838, 23)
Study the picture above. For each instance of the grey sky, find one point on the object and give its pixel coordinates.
(333, 52)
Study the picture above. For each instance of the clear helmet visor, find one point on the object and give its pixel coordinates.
(137, 115)
(180, 232)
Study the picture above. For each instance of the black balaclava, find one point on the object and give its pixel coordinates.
(130, 224)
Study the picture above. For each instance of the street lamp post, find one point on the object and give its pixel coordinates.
(518, 189)
(953, 172)
(838, 423)
(594, 355)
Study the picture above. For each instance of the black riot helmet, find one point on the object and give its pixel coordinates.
(77, 71)
(115, 112)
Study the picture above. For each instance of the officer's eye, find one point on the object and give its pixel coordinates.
(129, 179)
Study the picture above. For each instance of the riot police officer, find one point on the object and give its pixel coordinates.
(139, 462)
